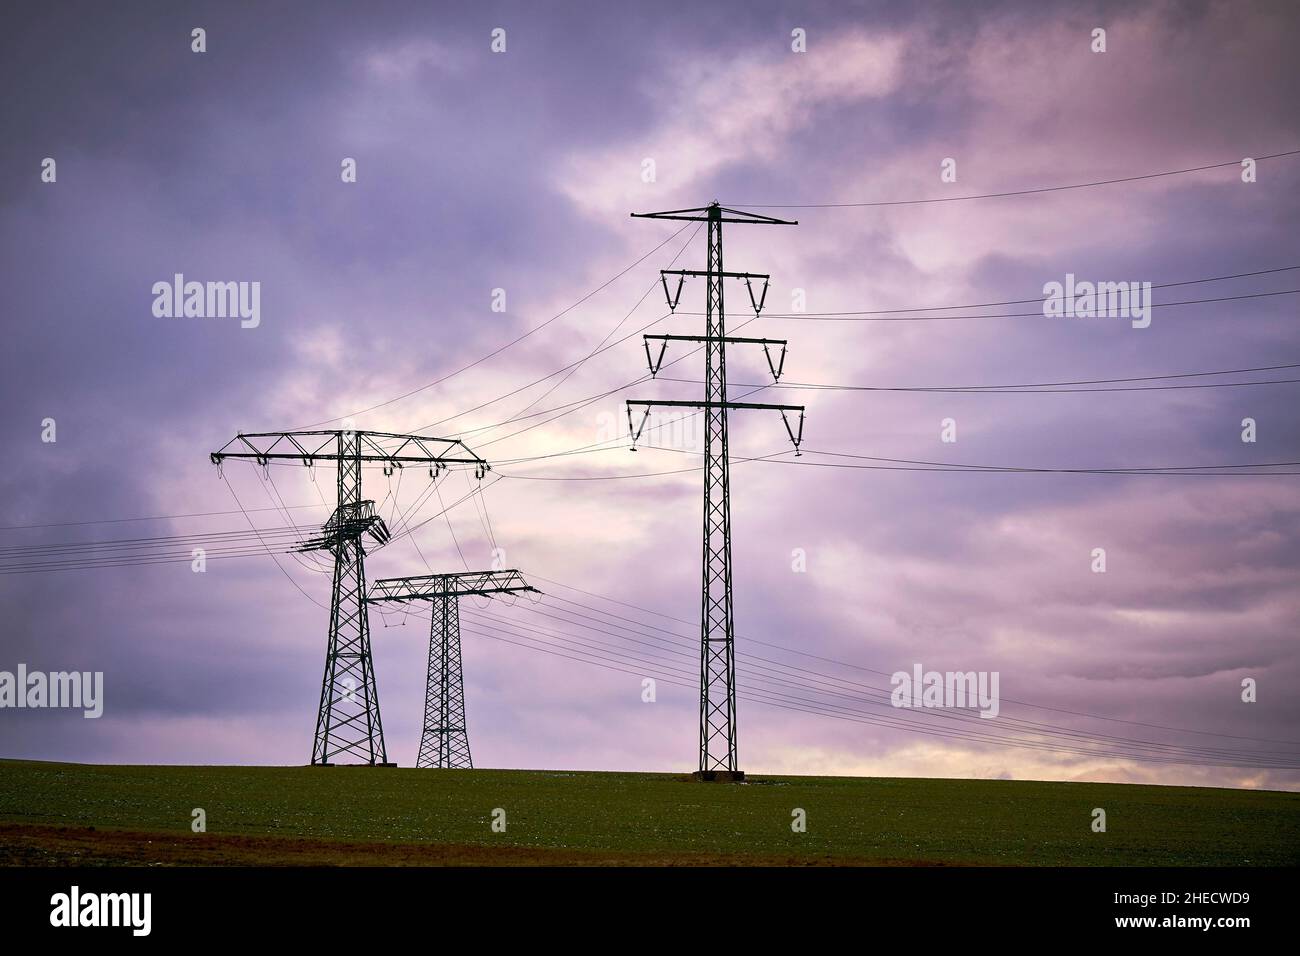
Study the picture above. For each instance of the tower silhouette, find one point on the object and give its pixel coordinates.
(347, 721)
(718, 760)
(445, 739)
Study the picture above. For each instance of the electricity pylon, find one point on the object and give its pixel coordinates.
(445, 740)
(717, 622)
(347, 721)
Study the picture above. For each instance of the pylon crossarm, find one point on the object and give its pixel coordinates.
(672, 300)
(426, 587)
(691, 404)
(756, 303)
(313, 446)
(652, 362)
(728, 339)
(796, 434)
(417, 448)
(635, 430)
(777, 366)
(701, 214)
(700, 274)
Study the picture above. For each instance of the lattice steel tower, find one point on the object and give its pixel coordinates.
(347, 721)
(717, 624)
(445, 740)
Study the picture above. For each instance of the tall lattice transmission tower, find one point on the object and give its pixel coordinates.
(445, 740)
(348, 724)
(718, 759)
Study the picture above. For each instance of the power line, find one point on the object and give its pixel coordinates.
(600, 347)
(1014, 192)
(1137, 378)
(832, 685)
(569, 407)
(485, 519)
(901, 464)
(814, 386)
(1038, 299)
(169, 549)
(1148, 748)
(173, 517)
(600, 653)
(411, 529)
(574, 365)
(873, 317)
(1048, 388)
(511, 343)
(1148, 469)
(154, 541)
(645, 474)
(311, 560)
(593, 399)
(537, 381)
(250, 551)
(451, 529)
(582, 403)
(842, 663)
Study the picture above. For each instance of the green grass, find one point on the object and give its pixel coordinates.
(661, 816)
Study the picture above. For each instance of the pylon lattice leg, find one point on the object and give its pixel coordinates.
(717, 625)
(348, 723)
(445, 741)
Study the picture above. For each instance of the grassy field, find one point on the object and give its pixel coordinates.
(73, 813)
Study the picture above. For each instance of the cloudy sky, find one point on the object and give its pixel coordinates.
(480, 170)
